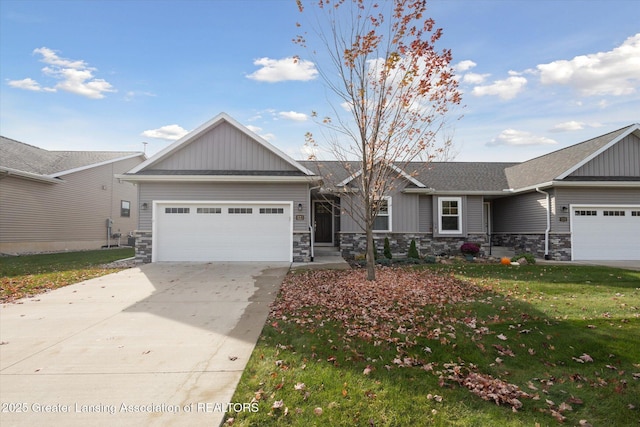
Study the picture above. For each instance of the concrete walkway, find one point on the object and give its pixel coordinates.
(164, 344)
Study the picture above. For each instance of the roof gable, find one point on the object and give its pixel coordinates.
(221, 144)
(560, 163)
(618, 158)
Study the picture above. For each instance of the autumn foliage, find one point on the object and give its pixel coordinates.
(393, 91)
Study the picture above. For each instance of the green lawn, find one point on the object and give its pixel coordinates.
(462, 345)
(33, 274)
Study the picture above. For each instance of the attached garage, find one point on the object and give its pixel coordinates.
(605, 232)
(222, 231)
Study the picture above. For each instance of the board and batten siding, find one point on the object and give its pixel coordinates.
(591, 196)
(37, 216)
(224, 148)
(425, 214)
(224, 192)
(522, 213)
(623, 159)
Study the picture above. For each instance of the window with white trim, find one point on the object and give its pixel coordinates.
(383, 219)
(450, 215)
(125, 208)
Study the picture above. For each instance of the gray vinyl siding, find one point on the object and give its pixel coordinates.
(623, 159)
(201, 191)
(74, 210)
(471, 215)
(522, 213)
(425, 214)
(474, 214)
(404, 213)
(224, 148)
(591, 196)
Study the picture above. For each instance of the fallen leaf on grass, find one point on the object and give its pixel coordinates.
(278, 404)
(317, 411)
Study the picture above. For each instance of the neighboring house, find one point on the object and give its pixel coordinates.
(223, 193)
(61, 200)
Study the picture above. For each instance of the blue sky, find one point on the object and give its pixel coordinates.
(536, 75)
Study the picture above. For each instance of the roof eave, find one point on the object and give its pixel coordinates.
(558, 183)
(217, 178)
(29, 175)
(95, 165)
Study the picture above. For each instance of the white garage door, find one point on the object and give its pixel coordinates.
(605, 232)
(222, 232)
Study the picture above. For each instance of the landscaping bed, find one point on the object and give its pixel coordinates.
(465, 344)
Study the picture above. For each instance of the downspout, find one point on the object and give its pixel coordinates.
(546, 232)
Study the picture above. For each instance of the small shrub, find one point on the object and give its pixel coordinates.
(530, 258)
(413, 250)
(387, 249)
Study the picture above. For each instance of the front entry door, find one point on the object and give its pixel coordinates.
(323, 222)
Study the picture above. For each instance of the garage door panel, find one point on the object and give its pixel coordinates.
(605, 233)
(223, 232)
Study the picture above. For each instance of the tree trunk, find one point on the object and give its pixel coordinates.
(371, 261)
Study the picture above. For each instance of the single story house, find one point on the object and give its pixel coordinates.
(63, 200)
(224, 193)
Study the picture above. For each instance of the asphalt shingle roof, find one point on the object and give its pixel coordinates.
(485, 176)
(548, 167)
(27, 158)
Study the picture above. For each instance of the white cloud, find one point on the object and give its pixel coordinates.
(292, 115)
(464, 65)
(27, 84)
(254, 129)
(518, 138)
(474, 78)
(258, 131)
(505, 89)
(573, 125)
(615, 72)
(170, 132)
(268, 136)
(73, 76)
(568, 126)
(285, 69)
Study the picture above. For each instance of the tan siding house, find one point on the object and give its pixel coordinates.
(58, 201)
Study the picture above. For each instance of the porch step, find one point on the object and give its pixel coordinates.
(326, 251)
(502, 251)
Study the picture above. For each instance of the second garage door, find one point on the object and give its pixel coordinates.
(605, 232)
(217, 231)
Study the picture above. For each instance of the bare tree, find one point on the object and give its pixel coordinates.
(394, 90)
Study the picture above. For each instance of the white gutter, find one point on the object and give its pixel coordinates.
(214, 178)
(546, 232)
(29, 175)
(95, 165)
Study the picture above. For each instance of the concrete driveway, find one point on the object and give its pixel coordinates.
(164, 344)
